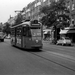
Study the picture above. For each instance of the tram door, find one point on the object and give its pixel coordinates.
(26, 37)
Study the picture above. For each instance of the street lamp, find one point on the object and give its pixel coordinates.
(18, 11)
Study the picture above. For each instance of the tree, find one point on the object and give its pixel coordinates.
(1, 26)
(19, 19)
(55, 15)
(6, 28)
(51, 14)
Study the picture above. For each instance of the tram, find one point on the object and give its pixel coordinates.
(27, 35)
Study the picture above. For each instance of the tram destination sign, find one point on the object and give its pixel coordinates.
(35, 24)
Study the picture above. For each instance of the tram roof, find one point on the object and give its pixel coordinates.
(24, 23)
(27, 23)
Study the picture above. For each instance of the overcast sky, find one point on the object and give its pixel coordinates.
(7, 8)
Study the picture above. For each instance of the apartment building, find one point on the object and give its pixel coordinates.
(71, 6)
(32, 10)
(70, 31)
(73, 11)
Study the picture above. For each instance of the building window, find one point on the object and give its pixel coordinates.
(56, 0)
(49, 2)
(28, 14)
(64, 12)
(59, 13)
(68, 6)
(37, 4)
(44, 0)
(27, 10)
(73, 6)
(72, 21)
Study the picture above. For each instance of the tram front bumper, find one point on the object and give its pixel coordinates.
(37, 46)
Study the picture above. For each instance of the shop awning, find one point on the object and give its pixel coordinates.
(45, 32)
(71, 31)
(63, 32)
(66, 31)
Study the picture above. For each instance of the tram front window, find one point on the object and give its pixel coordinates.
(36, 31)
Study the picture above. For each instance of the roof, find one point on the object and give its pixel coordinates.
(66, 31)
(47, 30)
(63, 31)
(24, 23)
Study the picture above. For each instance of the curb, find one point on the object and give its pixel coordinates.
(55, 44)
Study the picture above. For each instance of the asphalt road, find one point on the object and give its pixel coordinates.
(51, 60)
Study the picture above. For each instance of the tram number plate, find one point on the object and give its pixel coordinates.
(36, 38)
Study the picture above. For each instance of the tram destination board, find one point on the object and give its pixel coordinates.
(35, 24)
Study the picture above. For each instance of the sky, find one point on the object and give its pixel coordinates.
(8, 7)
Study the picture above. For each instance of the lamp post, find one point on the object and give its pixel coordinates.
(22, 13)
(19, 17)
(18, 11)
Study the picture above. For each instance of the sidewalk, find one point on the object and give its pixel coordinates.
(48, 41)
(45, 41)
(73, 44)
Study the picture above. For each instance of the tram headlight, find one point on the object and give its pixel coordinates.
(37, 41)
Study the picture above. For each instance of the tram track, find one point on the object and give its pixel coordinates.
(55, 62)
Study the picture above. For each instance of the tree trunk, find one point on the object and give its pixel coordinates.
(55, 35)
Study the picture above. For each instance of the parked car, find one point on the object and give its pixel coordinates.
(64, 41)
(2, 36)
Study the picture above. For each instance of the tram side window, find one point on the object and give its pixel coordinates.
(29, 33)
(12, 31)
(18, 31)
(26, 32)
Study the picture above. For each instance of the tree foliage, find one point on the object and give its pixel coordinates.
(55, 14)
(6, 28)
(19, 19)
(1, 26)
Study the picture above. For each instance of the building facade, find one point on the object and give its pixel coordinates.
(70, 31)
(32, 10)
(71, 6)
(11, 20)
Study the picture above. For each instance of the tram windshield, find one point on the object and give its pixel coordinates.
(36, 31)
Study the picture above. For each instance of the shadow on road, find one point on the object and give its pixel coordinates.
(32, 50)
(29, 50)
